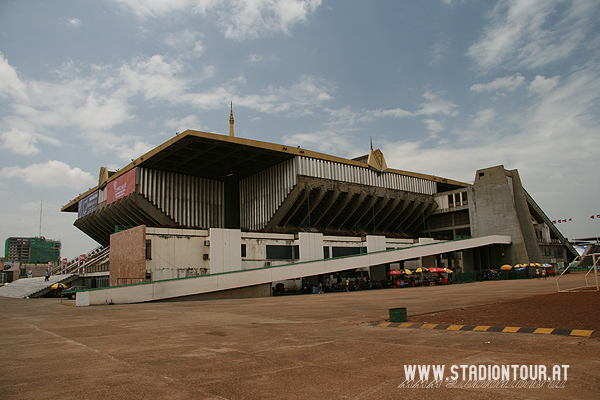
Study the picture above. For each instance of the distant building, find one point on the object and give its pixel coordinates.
(32, 250)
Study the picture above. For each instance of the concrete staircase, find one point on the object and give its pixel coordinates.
(33, 287)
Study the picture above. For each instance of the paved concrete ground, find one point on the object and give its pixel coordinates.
(291, 347)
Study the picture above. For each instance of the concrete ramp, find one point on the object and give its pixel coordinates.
(33, 287)
(173, 288)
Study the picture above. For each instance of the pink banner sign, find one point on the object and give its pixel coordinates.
(120, 187)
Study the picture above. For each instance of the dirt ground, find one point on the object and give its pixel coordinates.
(318, 346)
(567, 310)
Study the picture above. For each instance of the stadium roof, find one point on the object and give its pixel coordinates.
(216, 156)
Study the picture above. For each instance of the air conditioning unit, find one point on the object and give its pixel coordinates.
(205, 257)
(207, 242)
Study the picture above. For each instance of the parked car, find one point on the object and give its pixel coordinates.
(72, 291)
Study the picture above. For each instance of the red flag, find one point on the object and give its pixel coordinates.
(570, 219)
(553, 222)
(592, 217)
(597, 216)
(564, 220)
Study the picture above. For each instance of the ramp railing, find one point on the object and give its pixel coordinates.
(91, 263)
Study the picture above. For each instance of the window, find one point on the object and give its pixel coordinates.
(464, 198)
(282, 252)
(148, 249)
(243, 250)
(450, 200)
(347, 251)
(457, 199)
(325, 251)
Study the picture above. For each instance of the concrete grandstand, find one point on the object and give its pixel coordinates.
(227, 209)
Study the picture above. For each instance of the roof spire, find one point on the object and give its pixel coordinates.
(375, 160)
(231, 121)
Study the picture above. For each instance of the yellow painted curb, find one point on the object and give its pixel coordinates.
(454, 327)
(481, 328)
(580, 332)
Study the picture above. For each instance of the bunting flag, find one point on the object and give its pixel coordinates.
(559, 221)
(592, 217)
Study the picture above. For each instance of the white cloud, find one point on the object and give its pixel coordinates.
(74, 22)
(299, 99)
(483, 118)
(371, 115)
(186, 41)
(508, 84)
(245, 19)
(435, 104)
(343, 117)
(128, 153)
(20, 142)
(554, 140)
(50, 174)
(239, 19)
(439, 50)
(433, 126)
(183, 124)
(541, 84)
(10, 84)
(533, 33)
(153, 77)
(254, 59)
(328, 142)
(158, 8)
(101, 112)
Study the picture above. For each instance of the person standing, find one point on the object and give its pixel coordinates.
(47, 276)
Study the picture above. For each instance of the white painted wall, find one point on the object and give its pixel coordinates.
(211, 283)
(375, 243)
(225, 250)
(177, 253)
(311, 246)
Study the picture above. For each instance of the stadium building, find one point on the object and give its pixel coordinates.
(204, 205)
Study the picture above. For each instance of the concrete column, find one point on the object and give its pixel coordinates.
(311, 246)
(225, 250)
(232, 202)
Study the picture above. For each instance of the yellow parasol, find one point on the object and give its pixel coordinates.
(506, 267)
(58, 285)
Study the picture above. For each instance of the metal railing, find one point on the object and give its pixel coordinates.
(93, 260)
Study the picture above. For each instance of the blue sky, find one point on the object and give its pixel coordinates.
(443, 87)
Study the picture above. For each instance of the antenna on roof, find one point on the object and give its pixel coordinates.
(41, 203)
(231, 121)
